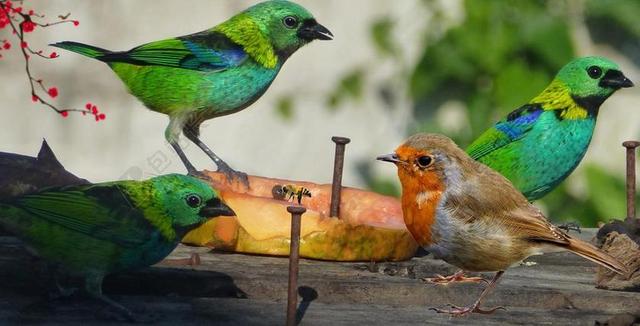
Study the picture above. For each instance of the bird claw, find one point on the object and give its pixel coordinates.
(571, 226)
(457, 311)
(233, 175)
(193, 260)
(199, 175)
(458, 277)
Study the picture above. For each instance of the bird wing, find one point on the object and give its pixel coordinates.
(205, 51)
(532, 225)
(101, 211)
(491, 199)
(515, 126)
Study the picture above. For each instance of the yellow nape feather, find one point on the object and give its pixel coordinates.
(243, 31)
(557, 97)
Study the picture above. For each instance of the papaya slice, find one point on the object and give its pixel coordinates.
(370, 226)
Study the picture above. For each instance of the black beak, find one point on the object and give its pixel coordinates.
(214, 208)
(393, 158)
(615, 79)
(311, 30)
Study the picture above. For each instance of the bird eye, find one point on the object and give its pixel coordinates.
(594, 72)
(290, 22)
(424, 161)
(193, 200)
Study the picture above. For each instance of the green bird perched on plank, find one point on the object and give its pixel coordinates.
(539, 144)
(213, 73)
(95, 230)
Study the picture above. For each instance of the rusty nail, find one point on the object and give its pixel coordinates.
(631, 178)
(294, 255)
(338, 165)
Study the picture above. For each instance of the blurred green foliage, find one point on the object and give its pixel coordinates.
(284, 107)
(502, 55)
(350, 87)
(615, 22)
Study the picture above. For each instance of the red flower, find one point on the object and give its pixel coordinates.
(76, 23)
(35, 98)
(88, 106)
(4, 20)
(23, 44)
(53, 92)
(6, 45)
(28, 26)
(64, 114)
(53, 55)
(101, 116)
(94, 109)
(31, 12)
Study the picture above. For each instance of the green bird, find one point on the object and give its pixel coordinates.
(99, 229)
(212, 73)
(539, 144)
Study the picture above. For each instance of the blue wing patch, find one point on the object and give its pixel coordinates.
(519, 125)
(208, 58)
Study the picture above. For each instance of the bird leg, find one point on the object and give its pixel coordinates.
(223, 167)
(191, 170)
(455, 278)
(93, 286)
(461, 311)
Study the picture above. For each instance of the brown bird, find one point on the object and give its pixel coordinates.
(472, 217)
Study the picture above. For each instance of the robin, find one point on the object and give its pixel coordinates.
(472, 217)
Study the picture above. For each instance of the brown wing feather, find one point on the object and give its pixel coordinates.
(502, 203)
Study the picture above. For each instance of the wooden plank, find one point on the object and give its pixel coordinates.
(240, 289)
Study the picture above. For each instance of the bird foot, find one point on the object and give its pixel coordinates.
(193, 260)
(456, 311)
(458, 277)
(571, 226)
(199, 175)
(233, 175)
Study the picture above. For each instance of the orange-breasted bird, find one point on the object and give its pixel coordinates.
(472, 217)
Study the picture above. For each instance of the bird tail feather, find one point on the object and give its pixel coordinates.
(84, 49)
(596, 255)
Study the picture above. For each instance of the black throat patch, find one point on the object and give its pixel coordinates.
(590, 103)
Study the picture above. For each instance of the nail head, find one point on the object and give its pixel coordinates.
(340, 140)
(631, 144)
(296, 209)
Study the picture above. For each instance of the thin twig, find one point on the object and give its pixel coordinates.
(26, 51)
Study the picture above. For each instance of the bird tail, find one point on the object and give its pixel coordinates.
(84, 49)
(596, 255)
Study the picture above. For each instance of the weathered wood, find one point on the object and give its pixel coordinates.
(239, 289)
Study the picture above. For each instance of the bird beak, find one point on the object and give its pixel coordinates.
(615, 79)
(214, 208)
(311, 30)
(393, 158)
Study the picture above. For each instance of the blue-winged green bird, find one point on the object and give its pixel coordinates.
(539, 144)
(213, 73)
(95, 230)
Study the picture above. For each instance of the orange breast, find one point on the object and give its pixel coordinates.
(420, 198)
